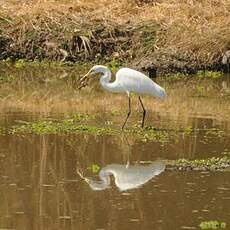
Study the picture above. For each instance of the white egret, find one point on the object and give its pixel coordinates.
(125, 177)
(127, 80)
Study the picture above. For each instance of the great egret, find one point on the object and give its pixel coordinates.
(127, 80)
(125, 177)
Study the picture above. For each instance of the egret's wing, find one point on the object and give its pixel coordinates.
(134, 81)
(157, 167)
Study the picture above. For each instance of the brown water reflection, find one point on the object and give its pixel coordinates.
(41, 189)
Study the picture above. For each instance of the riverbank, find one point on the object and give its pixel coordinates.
(167, 36)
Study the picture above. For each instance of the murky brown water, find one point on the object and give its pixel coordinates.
(47, 182)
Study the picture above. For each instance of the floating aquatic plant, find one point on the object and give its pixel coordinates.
(149, 133)
(72, 126)
(210, 74)
(188, 130)
(214, 132)
(66, 126)
(78, 124)
(177, 76)
(94, 168)
(2, 131)
(203, 164)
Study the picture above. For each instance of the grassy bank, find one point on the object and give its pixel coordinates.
(170, 34)
(35, 88)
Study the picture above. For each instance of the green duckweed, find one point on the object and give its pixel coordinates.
(67, 126)
(94, 168)
(204, 164)
(210, 74)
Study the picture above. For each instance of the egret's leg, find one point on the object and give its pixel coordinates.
(144, 112)
(129, 112)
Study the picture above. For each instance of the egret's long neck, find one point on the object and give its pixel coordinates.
(104, 176)
(105, 80)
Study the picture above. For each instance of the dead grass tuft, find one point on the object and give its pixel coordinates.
(197, 31)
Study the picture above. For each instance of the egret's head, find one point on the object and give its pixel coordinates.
(96, 69)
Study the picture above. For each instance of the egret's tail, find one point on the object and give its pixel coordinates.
(163, 94)
(159, 92)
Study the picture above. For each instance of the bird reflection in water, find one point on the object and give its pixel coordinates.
(126, 176)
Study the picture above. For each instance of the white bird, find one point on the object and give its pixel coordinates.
(125, 177)
(127, 80)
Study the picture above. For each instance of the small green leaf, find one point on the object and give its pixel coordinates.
(94, 168)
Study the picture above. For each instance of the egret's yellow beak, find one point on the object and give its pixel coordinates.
(83, 80)
(86, 75)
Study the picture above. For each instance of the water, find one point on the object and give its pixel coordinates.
(54, 181)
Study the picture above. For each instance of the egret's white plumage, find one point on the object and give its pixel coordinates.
(128, 80)
(134, 81)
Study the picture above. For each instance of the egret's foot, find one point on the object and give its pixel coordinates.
(140, 125)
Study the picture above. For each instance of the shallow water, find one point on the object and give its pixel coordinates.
(54, 181)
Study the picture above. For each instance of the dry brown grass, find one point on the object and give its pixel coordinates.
(200, 29)
(190, 29)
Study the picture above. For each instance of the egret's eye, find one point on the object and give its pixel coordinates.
(93, 72)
